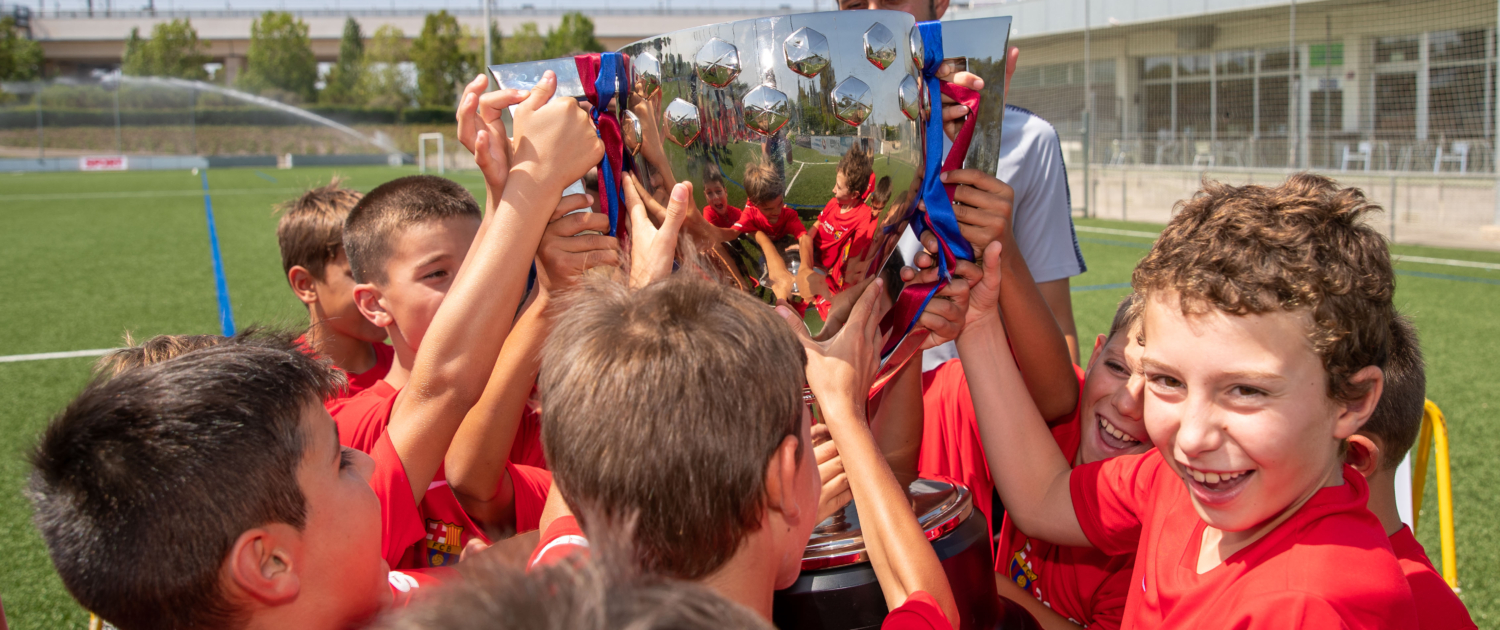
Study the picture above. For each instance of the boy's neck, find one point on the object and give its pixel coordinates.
(405, 358)
(749, 578)
(1217, 545)
(351, 355)
(1383, 500)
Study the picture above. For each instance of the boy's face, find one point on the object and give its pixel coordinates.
(716, 195)
(841, 190)
(336, 298)
(1239, 407)
(772, 209)
(424, 260)
(1109, 409)
(342, 573)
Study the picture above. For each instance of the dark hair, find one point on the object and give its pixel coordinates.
(311, 230)
(1302, 245)
(567, 596)
(764, 183)
(855, 166)
(370, 230)
(882, 193)
(712, 176)
(143, 483)
(1398, 416)
(1126, 315)
(638, 420)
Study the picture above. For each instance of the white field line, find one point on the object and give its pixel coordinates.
(1395, 257)
(16, 358)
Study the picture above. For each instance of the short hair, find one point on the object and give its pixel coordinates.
(881, 194)
(664, 405)
(1299, 246)
(1126, 315)
(1398, 416)
(856, 166)
(370, 230)
(764, 183)
(144, 482)
(568, 596)
(311, 229)
(711, 177)
(163, 347)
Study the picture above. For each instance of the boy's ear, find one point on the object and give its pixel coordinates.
(1363, 454)
(1355, 412)
(1098, 349)
(263, 564)
(781, 480)
(303, 284)
(367, 297)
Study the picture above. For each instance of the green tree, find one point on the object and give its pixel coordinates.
(525, 44)
(442, 60)
(172, 51)
(386, 81)
(575, 35)
(343, 79)
(20, 58)
(280, 61)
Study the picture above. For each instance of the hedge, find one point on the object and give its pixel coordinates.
(12, 118)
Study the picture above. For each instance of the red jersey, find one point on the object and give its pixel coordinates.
(726, 219)
(413, 584)
(919, 612)
(1329, 565)
(562, 539)
(753, 220)
(840, 233)
(384, 355)
(400, 521)
(449, 527)
(527, 448)
(1440, 608)
(362, 418)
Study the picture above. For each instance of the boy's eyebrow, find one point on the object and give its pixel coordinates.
(1150, 363)
(432, 259)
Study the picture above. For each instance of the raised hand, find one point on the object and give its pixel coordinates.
(652, 248)
(840, 370)
(836, 492)
(555, 141)
(983, 206)
(481, 111)
(573, 243)
(953, 112)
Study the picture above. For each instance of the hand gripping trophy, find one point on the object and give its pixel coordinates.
(820, 119)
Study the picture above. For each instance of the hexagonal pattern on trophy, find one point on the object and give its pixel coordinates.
(880, 46)
(806, 52)
(766, 110)
(718, 62)
(682, 121)
(647, 72)
(630, 130)
(851, 101)
(910, 97)
(917, 51)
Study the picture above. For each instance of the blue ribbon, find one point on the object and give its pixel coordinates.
(607, 88)
(939, 215)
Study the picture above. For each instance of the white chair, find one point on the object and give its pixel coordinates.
(1363, 155)
(1165, 142)
(1203, 151)
(1460, 157)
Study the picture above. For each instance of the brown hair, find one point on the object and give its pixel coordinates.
(370, 230)
(763, 184)
(1398, 416)
(664, 405)
(311, 229)
(1299, 246)
(1126, 315)
(856, 167)
(163, 347)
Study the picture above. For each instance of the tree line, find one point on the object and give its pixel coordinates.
(382, 70)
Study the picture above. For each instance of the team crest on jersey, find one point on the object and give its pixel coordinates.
(1020, 569)
(444, 543)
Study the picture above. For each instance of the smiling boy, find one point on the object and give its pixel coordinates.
(1266, 322)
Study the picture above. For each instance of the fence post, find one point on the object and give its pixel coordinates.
(1391, 210)
(41, 136)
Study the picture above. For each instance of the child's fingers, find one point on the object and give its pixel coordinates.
(467, 106)
(992, 260)
(492, 104)
(571, 203)
(542, 92)
(579, 222)
(798, 327)
(678, 208)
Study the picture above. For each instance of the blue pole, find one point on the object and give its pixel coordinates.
(226, 314)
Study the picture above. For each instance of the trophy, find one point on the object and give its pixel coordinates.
(811, 144)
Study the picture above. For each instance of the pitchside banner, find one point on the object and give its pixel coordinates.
(103, 163)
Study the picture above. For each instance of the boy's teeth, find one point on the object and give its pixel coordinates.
(1112, 430)
(1212, 477)
(1197, 476)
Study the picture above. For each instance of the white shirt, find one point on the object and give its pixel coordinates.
(1042, 216)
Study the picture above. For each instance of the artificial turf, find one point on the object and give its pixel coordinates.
(91, 256)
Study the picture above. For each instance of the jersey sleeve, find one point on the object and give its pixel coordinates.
(411, 585)
(919, 612)
(1291, 609)
(1110, 499)
(1043, 219)
(401, 523)
(563, 539)
(531, 486)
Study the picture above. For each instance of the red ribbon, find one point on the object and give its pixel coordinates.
(608, 125)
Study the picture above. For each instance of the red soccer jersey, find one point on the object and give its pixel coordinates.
(725, 219)
(1438, 607)
(527, 448)
(400, 521)
(1329, 565)
(384, 355)
(362, 419)
(753, 220)
(562, 539)
(413, 584)
(919, 612)
(449, 527)
(842, 233)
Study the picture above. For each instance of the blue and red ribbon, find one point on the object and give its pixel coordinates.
(604, 76)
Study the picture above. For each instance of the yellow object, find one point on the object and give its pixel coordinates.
(1434, 437)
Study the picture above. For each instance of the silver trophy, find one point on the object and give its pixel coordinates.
(805, 139)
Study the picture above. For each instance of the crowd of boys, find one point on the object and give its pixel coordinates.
(624, 442)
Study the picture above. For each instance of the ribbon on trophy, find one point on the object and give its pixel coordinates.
(937, 198)
(603, 76)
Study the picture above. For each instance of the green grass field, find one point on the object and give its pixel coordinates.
(92, 256)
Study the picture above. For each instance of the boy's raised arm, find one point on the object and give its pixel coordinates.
(840, 374)
(459, 349)
(1029, 470)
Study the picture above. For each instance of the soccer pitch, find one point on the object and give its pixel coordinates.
(89, 256)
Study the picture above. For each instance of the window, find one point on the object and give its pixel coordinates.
(1236, 62)
(1193, 108)
(1275, 96)
(1158, 108)
(1156, 68)
(1396, 103)
(1456, 45)
(1397, 49)
(1236, 107)
(1193, 66)
(1277, 59)
(1456, 100)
